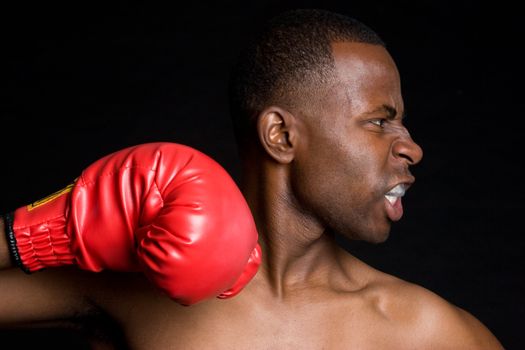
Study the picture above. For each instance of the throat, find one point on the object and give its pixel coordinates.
(287, 269)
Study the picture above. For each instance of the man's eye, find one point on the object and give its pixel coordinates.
(379, 122)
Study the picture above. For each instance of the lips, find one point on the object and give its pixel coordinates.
(393, 205)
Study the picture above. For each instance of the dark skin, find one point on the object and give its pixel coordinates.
(324, 168)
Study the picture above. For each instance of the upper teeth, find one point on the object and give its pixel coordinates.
(394, 193)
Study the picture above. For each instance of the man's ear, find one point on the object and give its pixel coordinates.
(278, 134)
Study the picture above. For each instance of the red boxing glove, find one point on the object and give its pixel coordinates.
(162, 208)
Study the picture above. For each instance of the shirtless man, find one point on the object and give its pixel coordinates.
(318, 110)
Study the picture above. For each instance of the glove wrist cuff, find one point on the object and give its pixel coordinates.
(41, 245)
(11, 242)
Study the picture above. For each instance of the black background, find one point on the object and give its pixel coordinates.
(85, 79)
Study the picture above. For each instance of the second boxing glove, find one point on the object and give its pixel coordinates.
(162, 208)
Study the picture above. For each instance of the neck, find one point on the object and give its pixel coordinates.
(297, 252)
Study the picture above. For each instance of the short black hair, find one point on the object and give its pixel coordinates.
(290, 54)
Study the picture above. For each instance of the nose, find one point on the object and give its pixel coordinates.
(406, 149)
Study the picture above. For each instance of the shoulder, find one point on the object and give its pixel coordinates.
(434, 322)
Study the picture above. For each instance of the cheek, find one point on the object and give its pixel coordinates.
(335, 183)
(343, 188)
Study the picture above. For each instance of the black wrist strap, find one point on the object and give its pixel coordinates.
(11, 242)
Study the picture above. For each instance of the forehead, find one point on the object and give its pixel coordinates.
(366, 76)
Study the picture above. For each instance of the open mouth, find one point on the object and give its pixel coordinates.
(394, 207)
(395, 193)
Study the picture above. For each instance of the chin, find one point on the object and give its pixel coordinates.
(376, 235)
(373, 236)
(376, 239)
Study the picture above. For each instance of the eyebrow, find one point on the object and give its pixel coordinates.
(391, 111)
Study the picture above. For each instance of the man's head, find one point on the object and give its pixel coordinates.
(317, 98)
